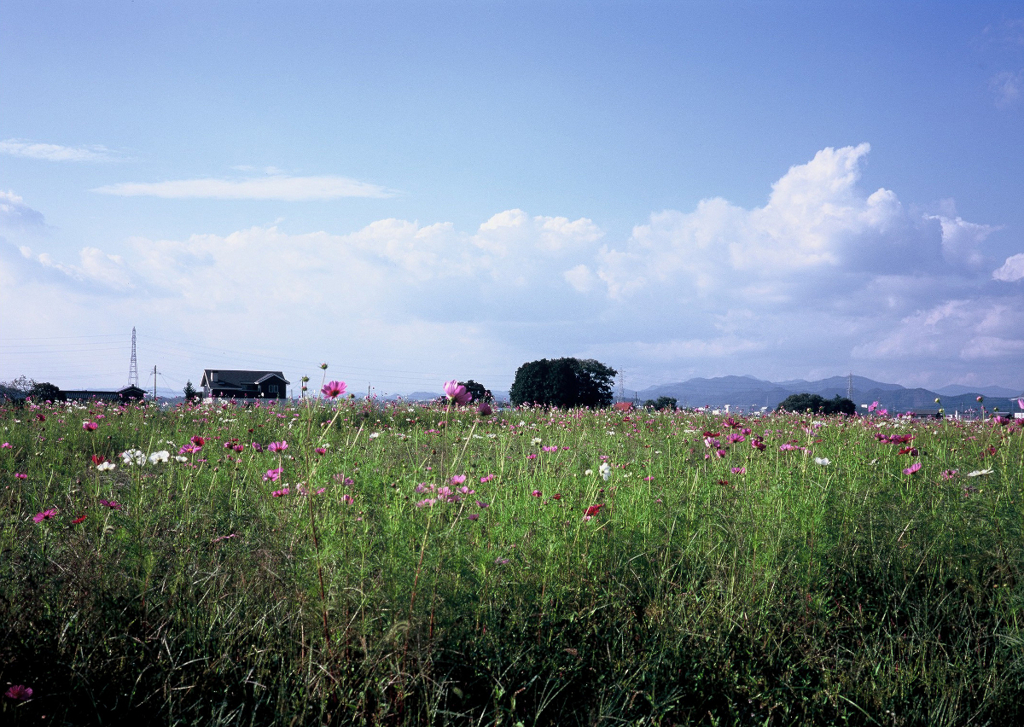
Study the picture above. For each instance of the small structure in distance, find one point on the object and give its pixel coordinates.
(238, 384)
(127, 393)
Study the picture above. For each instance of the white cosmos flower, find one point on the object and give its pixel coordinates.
(589, 472)
(105, 466)
(180, 458)
(535, 440)
(134, 456)
(823, 461)
(979, 473)
(161, 456)
(606, 471)
(374, 435)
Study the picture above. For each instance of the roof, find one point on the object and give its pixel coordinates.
(238, 378)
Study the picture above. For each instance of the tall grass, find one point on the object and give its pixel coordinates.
(717, 584)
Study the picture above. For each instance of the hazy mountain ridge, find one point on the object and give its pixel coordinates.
(747, 392)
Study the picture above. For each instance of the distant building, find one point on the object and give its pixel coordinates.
(234, 384)
(128, 393)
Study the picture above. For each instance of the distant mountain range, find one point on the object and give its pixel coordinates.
(749, 393)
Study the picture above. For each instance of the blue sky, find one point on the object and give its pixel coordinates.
(421, 190)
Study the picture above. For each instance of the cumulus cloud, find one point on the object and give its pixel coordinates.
(824, 277)
(55, 152)
(1012, 269)
(14, 213)
(277, 186)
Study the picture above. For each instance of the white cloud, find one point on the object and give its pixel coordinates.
(823, 277)
(55, 152)
(1012, 269)
(1008, 87)
(14, 213)
(276, 186)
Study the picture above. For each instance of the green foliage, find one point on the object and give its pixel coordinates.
(563, 383)
(477, 391)
(191, 394)
(45, 391)
(755, 587)
(817, 404)
(662, 402)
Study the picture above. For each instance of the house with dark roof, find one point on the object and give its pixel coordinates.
(127, 393)
(236, 384)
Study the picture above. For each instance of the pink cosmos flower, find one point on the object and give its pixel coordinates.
(277, 446)
(1020, 403)
(531, 456)
(347, 499)
(424, 487)
(320, 450)
(739, 470)
(474, 516)
(536, 493)
(6, 445)
(550, 449)
(949, 474)
(112, 504)
(485, 409)
(19, 693)
(458, 479)
(482, 505)
(279, 493)
(429, 502)
(21, 475)
(912, 468)
(273, 475)
(457, 392)
(90, 426)
(485, 480)
(872, 406)
(648, 478)
(44, 515)
(333, 389)
(736, 438)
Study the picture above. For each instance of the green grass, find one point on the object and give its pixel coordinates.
(791, 593)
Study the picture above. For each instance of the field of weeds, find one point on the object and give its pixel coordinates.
(341, 562)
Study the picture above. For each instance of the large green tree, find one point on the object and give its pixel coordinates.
(563, 382)
(817, 404)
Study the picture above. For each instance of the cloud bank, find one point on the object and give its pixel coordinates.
(55, 152)
(824, 278)
(278, 187)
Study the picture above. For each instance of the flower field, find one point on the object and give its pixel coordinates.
(342, 561)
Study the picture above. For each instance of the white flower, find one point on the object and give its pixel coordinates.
(589, 472)
(104, 466)
(535, 440)
(161, 456)
(979, 473)
(606, 471)
(180, 458)
(374, 435)
(133, 456)
(610, 433)
(823, 461)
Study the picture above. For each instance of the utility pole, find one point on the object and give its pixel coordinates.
(133, 370)
(154, 383)
(622, 384)
(849, 388)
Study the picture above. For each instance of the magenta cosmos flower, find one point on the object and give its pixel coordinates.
(44, 515)
(912, 468)
(277, 446)
(19, 693)
(273, 475)
(457, 392)
(90, 426)
(333, 389)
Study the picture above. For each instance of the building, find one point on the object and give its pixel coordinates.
(236, 384)
(127, 393)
